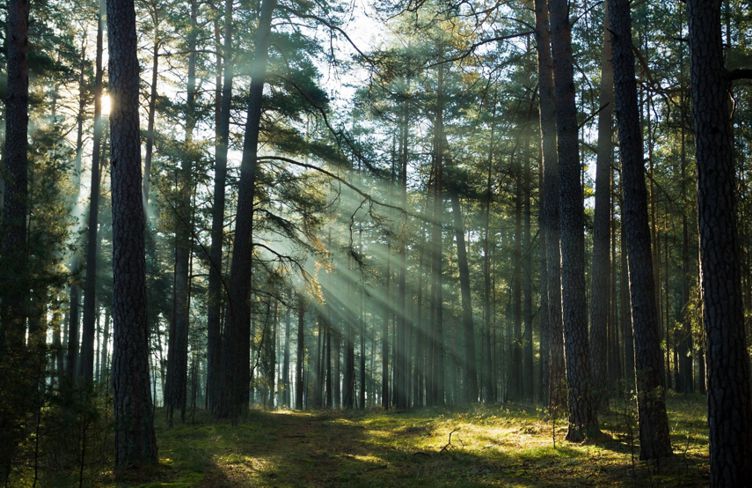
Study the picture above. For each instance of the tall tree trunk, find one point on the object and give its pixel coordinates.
(470, 380)
(386, 310)
(729, 402)
(177, 354)
(651, 388)
(300, 354)
(402, 325)
(135, 443)
(435, 387)
(601, 269)
(583, 421)
(286, 361)
(90, 285)
(237, 338)
(550, 220)
(14, 287)
(527, 278)
(215, 286)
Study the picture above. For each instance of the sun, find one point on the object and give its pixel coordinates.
(106, 104)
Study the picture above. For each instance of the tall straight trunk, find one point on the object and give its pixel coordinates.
(386, 310)
(135, 443)
(237, 340)
(527, 278)
(514, 370)
(362, 334)
(215, 286)
(729, 402)
(651, 402)
(14, 294)
(403, 325)
(684, 344)
(486, 378)
(543, 327)
(348, 396)
(177, 354)
(470, 380)
(286, 361)
(601, 268)
(103, 367)
(435, 387)
(300, 354)
(74, 322)
(14, 283)
(336, 387)
(550, 213)
(90, 285)
(626, 316)
(583, 421)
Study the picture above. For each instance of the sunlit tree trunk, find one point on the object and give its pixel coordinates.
(550, 201)
(651, 403)
(583, 421)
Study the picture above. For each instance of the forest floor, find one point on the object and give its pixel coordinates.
(490, 446)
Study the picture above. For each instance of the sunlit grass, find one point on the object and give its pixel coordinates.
(490, 446)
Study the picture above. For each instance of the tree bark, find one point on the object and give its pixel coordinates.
(729, 402)
(14, 284)
(651, 388)
(215, 286)
(550, 220)
(470, 380)
(300, 355)
(601, 268)
(135, 443)
(583, 421)
(237, 340)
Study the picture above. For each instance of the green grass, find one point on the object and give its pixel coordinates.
(491, 446)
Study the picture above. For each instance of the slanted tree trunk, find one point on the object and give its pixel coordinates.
(651, 388)
(135, 443)
(583, 421)
(601, 269)
(237, 339)
(729, 402)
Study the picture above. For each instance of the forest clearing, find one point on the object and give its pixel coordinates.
(375, 243)
(490, 446)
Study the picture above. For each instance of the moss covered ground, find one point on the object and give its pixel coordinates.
(490, 446)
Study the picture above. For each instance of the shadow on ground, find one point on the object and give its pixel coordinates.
(489, 447)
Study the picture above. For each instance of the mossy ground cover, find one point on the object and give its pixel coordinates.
(490, 446)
